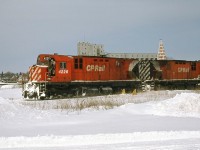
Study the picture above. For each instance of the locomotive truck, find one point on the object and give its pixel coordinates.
(59, 76)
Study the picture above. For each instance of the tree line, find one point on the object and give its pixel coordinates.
(13, 77)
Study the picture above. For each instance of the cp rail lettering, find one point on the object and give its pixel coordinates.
(95, 68)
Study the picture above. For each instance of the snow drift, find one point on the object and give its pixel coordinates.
(151, 120)
(181, 105)
(98, 140)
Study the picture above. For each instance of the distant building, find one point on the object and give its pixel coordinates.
(88, 49)
(139, 56)
(161, 52)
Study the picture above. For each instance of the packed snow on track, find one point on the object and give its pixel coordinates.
(150, 120)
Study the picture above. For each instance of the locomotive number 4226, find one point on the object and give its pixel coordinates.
(63, 72)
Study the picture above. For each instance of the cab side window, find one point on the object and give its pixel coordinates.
(63, 65)
(193, 66)
(78, 63)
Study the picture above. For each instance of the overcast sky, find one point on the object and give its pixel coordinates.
(32, 27)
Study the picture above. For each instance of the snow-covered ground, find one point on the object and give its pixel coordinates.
(151, 120)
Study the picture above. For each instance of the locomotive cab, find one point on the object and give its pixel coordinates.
(58, 67)
(49, 69)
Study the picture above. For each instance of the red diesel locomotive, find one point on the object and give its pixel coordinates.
(58, 76)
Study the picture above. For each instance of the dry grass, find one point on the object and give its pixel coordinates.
(78, 104)
(101, 102)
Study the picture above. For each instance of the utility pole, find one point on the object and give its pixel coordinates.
(2, 75)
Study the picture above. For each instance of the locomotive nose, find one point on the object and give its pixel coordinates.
(37, 73)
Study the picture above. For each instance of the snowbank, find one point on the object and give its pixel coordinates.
(11, 93)
(9, 105)
(157, 103)
(98, 139)
(13, 111)
(9, 86)
(181, 105)
(7, 109)
(145, 122)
